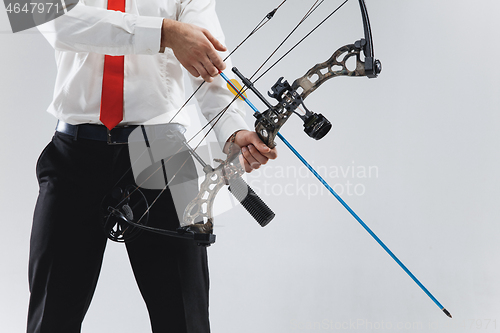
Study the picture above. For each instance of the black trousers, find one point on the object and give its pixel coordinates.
(68, 242)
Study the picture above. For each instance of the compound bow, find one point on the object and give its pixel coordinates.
(289, 98)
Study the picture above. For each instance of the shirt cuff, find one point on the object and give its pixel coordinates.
(230, 123)
(147, 34)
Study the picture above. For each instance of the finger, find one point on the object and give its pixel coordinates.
(273, 154)
(263, 148)
(214, 57)
(209, 66)
(216, 60)
(245, 164)
(257, 143)
(254, 164)
(257, 155)
(203, 72)
(215, 42)
(193, 71)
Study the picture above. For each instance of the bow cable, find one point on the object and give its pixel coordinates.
(266, 19)
(217, 117)
(263, 22)
(300, 41)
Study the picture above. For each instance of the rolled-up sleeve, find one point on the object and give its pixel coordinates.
(92, 29)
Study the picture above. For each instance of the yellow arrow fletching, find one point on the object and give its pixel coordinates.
(235, 87)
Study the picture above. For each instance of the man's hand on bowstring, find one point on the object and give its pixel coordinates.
(194, 47)
(254, 152)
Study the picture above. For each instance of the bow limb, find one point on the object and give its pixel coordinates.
(334, 67)
(337, 64)
(372, 66)
(290, 97)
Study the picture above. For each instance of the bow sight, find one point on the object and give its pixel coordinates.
(291, 97)
(269, 122)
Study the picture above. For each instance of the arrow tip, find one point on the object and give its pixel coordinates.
(447, 313)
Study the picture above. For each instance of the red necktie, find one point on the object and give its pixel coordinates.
(112, 82)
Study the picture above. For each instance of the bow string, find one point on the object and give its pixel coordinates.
(211, 123)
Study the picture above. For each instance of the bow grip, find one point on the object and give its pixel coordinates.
(251, 201)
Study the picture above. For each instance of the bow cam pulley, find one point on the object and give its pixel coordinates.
(126, 201)
(290, 101)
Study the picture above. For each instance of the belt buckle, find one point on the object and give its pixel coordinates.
(110, 141)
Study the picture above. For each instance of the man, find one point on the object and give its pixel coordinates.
(86, 159)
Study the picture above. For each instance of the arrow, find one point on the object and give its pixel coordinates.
(238, 92)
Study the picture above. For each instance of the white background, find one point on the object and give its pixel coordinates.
(429, 124)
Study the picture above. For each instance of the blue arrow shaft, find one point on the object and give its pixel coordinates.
(349, 209)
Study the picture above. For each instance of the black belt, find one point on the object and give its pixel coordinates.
(118, 135)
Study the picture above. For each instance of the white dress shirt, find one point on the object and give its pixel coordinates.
(153, 81)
